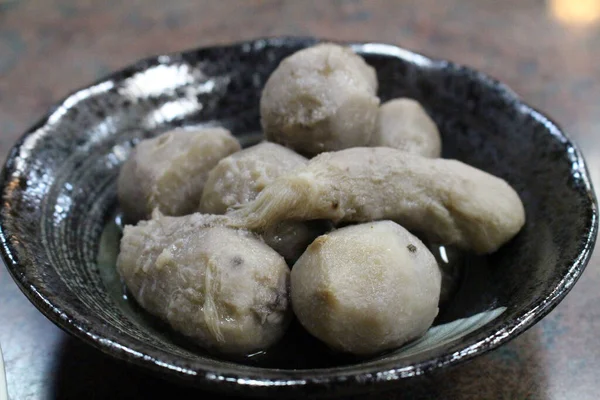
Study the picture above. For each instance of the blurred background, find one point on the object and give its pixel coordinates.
(548, 51)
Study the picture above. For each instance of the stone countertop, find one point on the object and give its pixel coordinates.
(547, 51)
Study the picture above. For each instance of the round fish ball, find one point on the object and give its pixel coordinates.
(223, 288)
(366, 288)
(322, 98)
(240, 177)
(404, 124)
(169, 172)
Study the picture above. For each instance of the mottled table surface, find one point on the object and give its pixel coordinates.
(548, 51)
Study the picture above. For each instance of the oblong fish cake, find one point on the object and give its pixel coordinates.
(223, 288)
(447, 201)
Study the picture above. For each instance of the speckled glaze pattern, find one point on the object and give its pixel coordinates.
(59, 186)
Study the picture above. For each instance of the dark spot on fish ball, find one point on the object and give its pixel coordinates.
(163, 140)
(412, 248)
(271, 309)
(335, 205)
(279, 302)
(326, 297)
(237, 261)
(326, 70)
(318, 243)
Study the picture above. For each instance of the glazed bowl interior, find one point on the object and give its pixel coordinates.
(60, 217)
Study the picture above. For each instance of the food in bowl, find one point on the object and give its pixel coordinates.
(403, 124)
(237, 179)
(447, 201)
(444, 201)
(322, 98)
(169, 172)
(222, 287)
(366, 288)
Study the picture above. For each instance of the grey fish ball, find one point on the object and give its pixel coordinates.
(366, 288)
(322, 98)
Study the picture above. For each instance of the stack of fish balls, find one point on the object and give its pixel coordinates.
(321, 221)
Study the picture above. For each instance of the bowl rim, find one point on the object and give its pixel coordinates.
(315, 380)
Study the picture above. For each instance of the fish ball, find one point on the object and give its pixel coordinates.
(168, 172)
(404, 124)
(366, 288)
(240, 177)
(223, 288)
(322, 98)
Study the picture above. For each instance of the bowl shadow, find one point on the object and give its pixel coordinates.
(515, 370)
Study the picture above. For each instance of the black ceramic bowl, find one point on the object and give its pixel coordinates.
(59, 239)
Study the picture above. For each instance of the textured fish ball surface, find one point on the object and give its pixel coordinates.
(223, 288)
(404, 124)
(169, 172)
(366, 288)
(240, 177)
(322, 98)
